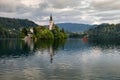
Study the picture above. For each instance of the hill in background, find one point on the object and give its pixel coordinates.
(12, 23)
(9, 27)
(105, 33)
(75, 27)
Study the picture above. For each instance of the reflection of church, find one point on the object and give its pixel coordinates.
(51, 52)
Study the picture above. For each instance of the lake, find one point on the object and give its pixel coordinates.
(72, 59)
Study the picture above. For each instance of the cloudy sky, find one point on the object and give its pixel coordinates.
(75, 11)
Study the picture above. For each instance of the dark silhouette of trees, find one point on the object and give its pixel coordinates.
(105, 33)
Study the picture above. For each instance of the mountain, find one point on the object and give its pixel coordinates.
(12, 23)
(75, 27)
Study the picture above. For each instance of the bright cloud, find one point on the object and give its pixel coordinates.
(76, 11)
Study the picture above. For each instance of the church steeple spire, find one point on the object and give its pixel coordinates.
(51, 17)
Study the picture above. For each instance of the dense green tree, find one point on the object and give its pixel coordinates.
(105, 33)
(58, 34)
(24, 31)
(42, 32)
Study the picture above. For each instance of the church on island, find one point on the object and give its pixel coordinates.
(43, 32)
(31, 31)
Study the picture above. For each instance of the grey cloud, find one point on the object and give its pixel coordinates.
(105, 4)
(107, 13)
(108, 18)
(13, 6)
(77, 11)
(64, 3)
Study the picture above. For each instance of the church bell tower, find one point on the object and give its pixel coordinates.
(51, 23)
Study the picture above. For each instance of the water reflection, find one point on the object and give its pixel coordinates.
(71, 60)
(52, 46)
(19, 48)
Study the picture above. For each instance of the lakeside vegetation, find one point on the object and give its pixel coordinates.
(42, 32)
(76, 35)
(104, 34)
(10, 27)
(8, 33)
(19, 28)
(101, 34)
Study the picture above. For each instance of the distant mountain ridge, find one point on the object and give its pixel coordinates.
(13, 23)
(75, 27)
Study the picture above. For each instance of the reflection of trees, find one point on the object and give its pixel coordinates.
(17, 48)
(13, 48)
(51, 45)
(105, 45)
(46, 44)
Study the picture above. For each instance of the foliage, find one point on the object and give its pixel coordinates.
(58, 34)
(76, 35)
(105, 33)
(5, 33)
(10, 27)
(42, 32)
(47, 44)
(13, 28)
(24, 32)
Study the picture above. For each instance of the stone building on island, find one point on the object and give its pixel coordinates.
(51, 23)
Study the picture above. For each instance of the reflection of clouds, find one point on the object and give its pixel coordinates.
(90, 55)
(33, 74)
(46, 53)
(63, 66)
(79, 63)
(42, 54)
(26, 74)
(11, 76)
(112, 52)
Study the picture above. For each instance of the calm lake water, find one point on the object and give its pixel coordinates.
(72, 59)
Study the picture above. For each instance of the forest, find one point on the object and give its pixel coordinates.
(10, 27)
(13, 23)
(105, 33)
